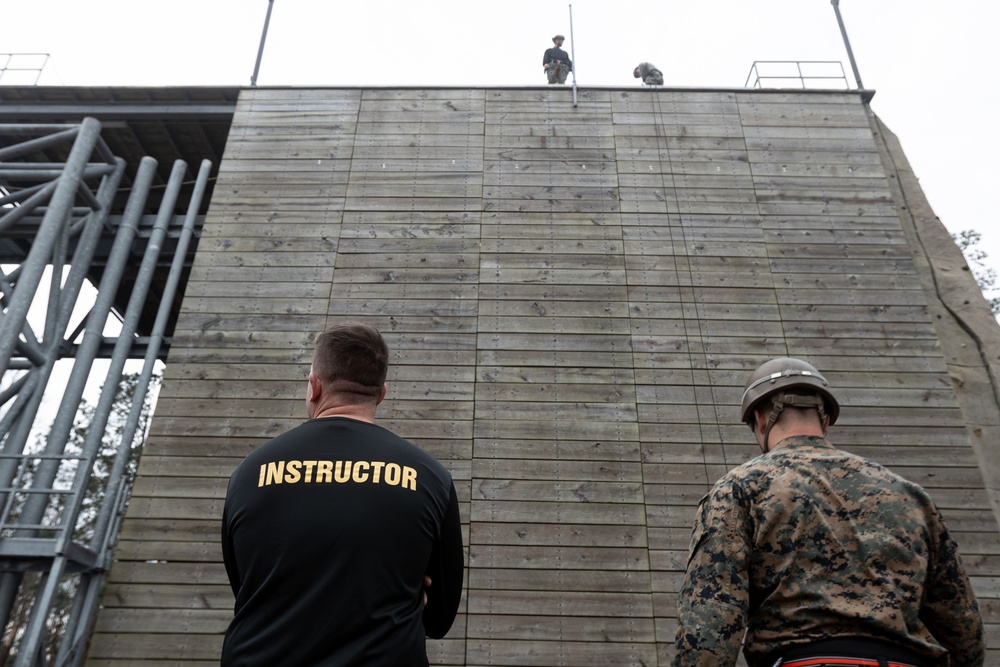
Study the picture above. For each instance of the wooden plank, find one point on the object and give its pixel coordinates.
(560, 628)
(167, 530)
(182, 621)
(533, 534)
(148, 648)
(178, 487)
(553, 491)
(367, 129)
(519, 579)
(458, 115)
(797, 97)
(660, 135)
(269, 302)
(577, 450)
(563, 603)
(544, 97)
(517, 176)
(581, 654)
(650, 96)
(175, 508)
(172, 596)
(174, 550)
(419, 162)
(285, 169)
(558, 143)
(426, 95)
(301, 149)
(453, 201)
(584, 558)
(505, 114)
(132, 572)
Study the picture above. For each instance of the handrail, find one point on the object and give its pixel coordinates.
(800, 75)
(6, 60)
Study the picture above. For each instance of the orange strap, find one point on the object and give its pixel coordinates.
(838, 662)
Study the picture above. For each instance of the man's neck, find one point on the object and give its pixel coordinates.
(782, 431)
(356, 412)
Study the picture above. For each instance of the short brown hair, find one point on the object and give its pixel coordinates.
(351, 358)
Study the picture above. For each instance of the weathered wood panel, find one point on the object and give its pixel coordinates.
(573, 296)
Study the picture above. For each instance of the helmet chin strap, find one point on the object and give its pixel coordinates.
(781, 400)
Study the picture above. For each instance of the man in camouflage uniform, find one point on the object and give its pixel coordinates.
(648, 73)
(820, 556)
(556, 62)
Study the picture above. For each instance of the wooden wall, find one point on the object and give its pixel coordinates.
(574, 297)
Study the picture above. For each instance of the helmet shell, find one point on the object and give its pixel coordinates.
(783, 374)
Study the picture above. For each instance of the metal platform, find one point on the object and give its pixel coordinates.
(109, 186)
(167, 124)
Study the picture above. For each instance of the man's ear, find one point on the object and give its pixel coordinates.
(381, 396)
(760, 430)
(315, 389)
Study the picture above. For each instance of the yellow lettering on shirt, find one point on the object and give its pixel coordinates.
(337, 472)
(392, 473)
(358, 476)
(409, 478)
(275, 469)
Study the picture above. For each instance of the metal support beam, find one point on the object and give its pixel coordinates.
(263, 38)
(847, 43)
(59, 215)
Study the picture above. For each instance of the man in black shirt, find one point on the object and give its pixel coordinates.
(342, 541)
(556, 62)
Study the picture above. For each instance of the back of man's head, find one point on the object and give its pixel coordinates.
(781, 381)
(803, 408)
(351, 358)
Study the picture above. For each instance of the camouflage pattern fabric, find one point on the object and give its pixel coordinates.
(650, 75)
(558, 73)
(807, 543)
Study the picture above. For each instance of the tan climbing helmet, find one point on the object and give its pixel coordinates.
(785, 375)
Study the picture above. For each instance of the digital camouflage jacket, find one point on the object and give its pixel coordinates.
(808, 543)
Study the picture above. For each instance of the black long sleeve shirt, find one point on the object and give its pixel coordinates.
(555, 53)
(328, 531)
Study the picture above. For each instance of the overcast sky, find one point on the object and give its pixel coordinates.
(930, 63)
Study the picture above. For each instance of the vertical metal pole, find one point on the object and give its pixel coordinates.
(105, 529)
(260, 50)
(847, 43)
(15, 438)
(86, 353)
(93, 336)
(31, 643)
(572, 50)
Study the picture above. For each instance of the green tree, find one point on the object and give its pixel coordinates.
(985, 275)
(85, 524)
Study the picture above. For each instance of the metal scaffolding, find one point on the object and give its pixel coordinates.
(65, 205)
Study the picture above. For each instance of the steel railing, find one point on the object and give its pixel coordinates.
(805, 74)
(24, 64)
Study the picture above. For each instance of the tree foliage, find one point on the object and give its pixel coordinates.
(985, 275)
(94, 496)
